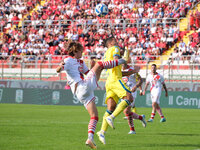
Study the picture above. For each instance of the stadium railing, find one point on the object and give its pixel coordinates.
(176, 70)
(123, 23)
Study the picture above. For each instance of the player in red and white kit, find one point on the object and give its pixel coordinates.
(83, 88)
(133, 81)
(156, 82)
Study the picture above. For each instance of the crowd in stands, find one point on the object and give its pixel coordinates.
(195, 20)
(188, 52)
(145, 29)
(12, 11)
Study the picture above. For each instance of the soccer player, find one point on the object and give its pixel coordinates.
(133, 81)
(156, 81)
(115, 89)
(83, 88)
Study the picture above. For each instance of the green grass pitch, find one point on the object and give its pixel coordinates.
(42, 127)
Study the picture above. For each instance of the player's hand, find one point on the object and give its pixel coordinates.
(143, 93)
(166, 94)
(62, 64)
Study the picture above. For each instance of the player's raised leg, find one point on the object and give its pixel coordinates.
(99, 66)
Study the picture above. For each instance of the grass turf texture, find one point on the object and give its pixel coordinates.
(42, 127)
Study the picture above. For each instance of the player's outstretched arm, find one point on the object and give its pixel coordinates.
(138, 84)
(140, 81)
(128, 73)
(145, 88)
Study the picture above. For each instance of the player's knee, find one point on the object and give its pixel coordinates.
(94, 115)
(111, 108)
(154, 104)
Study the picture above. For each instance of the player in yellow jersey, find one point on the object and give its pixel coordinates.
(115, 89)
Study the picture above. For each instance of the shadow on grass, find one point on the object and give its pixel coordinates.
(172, 145)
(156, 146)
(178, 134)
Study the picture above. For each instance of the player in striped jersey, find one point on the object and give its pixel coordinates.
(83, 88)
(133, 81)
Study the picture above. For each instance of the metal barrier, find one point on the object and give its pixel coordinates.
(45, 69)
(121, 24)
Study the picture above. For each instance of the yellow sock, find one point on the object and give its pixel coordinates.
(120, 107)
(134, 110)
(104, 125)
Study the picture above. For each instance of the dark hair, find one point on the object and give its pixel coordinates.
(108, 40)
(153, 65)
(73, 47)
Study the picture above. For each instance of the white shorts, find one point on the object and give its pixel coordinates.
(134, 94)
(86, 87)
(155, 96)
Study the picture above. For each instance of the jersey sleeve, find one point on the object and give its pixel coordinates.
(116, 51)
(67, 65)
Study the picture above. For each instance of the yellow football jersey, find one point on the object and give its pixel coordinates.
(114, 73)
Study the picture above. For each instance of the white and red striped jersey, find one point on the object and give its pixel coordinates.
(75, 69)
(155, 81)
(130, 80)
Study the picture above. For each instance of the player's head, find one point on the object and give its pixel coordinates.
(75, 50)
(122, 50)
(153, 68)
(111, 41)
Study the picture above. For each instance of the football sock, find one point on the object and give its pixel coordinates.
(135, 116)
(130, 121)
(160, 112)
(152, 115)
(120, 107)
(92, 126)
(140, 118)
(111, 63)
(104, 125)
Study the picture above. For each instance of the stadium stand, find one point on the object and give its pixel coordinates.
(35, 31)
